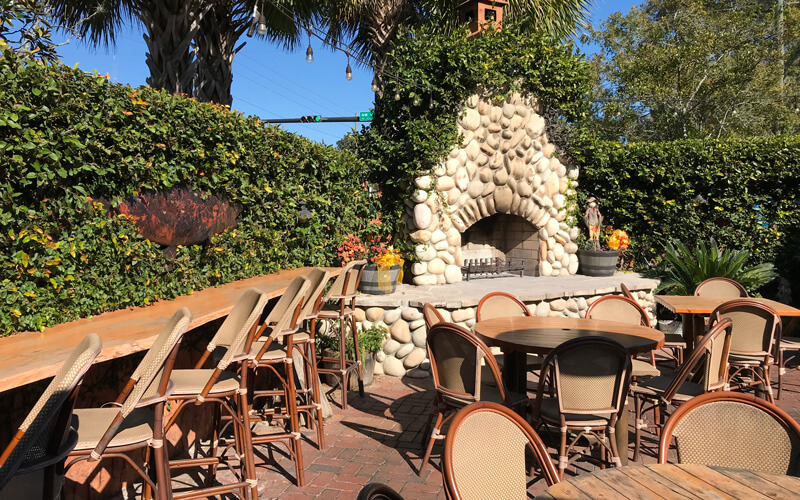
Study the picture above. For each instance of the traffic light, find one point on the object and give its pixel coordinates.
(310, 119)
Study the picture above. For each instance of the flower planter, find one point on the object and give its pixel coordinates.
(598, 263)
(376, 281)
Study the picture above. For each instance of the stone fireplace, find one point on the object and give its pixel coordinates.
(505, 237)
(502, 191)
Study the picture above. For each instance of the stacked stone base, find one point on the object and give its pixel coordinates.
(404, 352)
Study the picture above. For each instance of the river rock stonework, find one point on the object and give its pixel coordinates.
(406, 353)
(505, 165)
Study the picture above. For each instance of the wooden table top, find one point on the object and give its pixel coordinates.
(31, 356)
(674, 481)
(541, 335)
(689, 304)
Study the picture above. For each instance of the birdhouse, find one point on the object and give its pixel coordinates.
(481, 13)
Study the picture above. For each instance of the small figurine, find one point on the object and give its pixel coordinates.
(593, 219)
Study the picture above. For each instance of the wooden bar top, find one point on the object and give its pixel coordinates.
(30, 356)
(690, 304)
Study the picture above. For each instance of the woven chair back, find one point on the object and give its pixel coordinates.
(232, 335)
(714, 348)
(756, 326)
(720, 287)
(432, 316)
(151, 375)
(728, 429)
(286, 313)
(455, 354)
(46, 427)
(618, 308)
(484, 454)
(347, 282)
(317, 279)
(500, 305)
(591, 375)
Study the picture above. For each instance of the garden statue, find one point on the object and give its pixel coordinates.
(593, 219)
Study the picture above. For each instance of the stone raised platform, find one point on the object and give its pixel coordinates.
(401, 312)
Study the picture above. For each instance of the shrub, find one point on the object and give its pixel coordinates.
(68, 138)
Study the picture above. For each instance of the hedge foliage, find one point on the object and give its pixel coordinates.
(745, 193)
(68, 138)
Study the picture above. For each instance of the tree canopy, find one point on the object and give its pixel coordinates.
(671, 69)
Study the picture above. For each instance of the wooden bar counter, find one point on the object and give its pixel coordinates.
(31, 356)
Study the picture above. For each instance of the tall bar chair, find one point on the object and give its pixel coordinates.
(225, 387)
(268, 355)
(32, 465)
(130, 424)
(343, 292)
(310, 402)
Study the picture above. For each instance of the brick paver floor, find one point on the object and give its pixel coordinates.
(379, 439)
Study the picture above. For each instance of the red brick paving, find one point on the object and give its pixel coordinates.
(379, 439)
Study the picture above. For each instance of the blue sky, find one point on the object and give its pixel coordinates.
(270, 82)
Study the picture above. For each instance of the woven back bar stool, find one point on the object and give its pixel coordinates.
(225, 387)
(268, 355)
(343, 293)
(32, 465)
(130, 423)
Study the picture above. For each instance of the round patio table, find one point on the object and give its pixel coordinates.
(540, 335)
(674, 481)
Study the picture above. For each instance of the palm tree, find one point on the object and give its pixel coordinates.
(370, 26)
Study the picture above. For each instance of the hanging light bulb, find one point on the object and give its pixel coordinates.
(348, 73)
(430, 102)
(397, 95)
(261, 28)
(251, 30)
(376, 84)
(415, 100)
(309, 50)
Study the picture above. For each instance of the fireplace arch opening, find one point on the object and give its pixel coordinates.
(503, 236)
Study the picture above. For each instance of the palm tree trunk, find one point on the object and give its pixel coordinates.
(220, 29)
(170, 27)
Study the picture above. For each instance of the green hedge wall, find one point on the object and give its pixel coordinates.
(745, 193)
(66, 136)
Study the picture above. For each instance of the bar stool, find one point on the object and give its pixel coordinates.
(310, 402)
(343, 291)
(224, 386)
(266, 354)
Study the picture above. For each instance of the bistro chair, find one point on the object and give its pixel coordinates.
(720, 287)
(756, 328)
(590, 376)
(269, 356)
(455, 354)
(225, 387)
(659, 393)
(786, 344)
(731, 429)
(343, 292)
(129, 424)
(625, 310)
(672, 341)
(503, 305)
(309, 394)
(432, 316)
(32, 465)
(484, 454)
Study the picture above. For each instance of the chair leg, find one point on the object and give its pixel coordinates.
(638, 422)
(294, 425)
(611, 437)
(357, 355)
(247, 453)
(435, 434)
(781, 369)
(163, 477)
(315, 393)
(562, 454)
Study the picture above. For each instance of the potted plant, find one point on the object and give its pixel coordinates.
(384, 270)
(370, 341)
(603, 261)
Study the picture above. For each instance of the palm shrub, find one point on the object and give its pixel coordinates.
(683, 268)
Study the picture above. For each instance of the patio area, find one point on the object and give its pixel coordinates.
(379, 439)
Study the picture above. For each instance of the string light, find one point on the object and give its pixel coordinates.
(251, 30)
(415, 100)
(376, 84)
(397, 95)
(348, 73)
(261, 28)
(309, 50)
